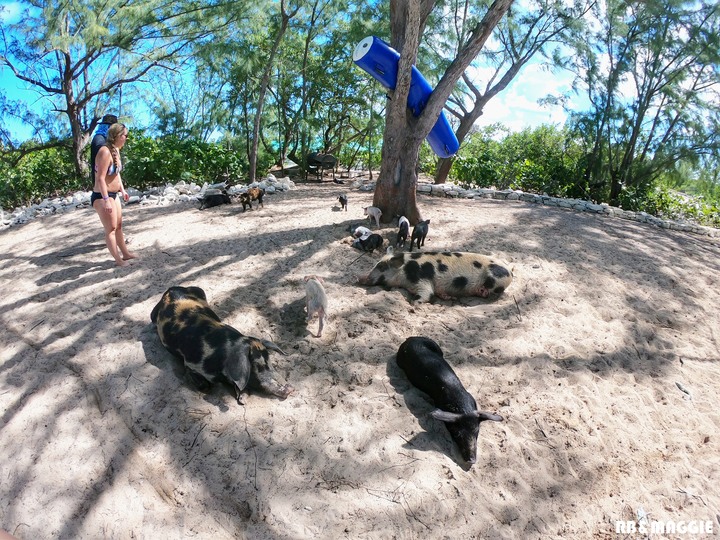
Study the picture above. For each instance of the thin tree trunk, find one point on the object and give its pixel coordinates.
(265, 82)
(443, 169)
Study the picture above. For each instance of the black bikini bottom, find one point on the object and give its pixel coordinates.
(97, 196)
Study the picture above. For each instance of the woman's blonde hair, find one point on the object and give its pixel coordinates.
(113, 133)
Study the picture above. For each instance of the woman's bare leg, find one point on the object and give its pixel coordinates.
(119, 236)
(109, 222)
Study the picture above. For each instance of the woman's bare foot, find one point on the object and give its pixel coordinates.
(122, 262)
(129, 256)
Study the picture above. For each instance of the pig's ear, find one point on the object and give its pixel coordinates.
(484, 415)
(270, 345)
(238, 366)
(445, 416)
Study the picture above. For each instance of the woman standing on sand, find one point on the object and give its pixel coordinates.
(104, 196)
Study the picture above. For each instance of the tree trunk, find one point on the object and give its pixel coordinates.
(264, 83)
(395, 191)
(396, 188)
(443, 169)
(615, 189)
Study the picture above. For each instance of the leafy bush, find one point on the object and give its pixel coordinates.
(540, 160)
(38, 175)
(669, 204)
(147, 162)
(154, 162)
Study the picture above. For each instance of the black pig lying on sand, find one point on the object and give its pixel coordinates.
(444, 274)
(370, 243)
(213, 351)
(422, 361)
(215, 199)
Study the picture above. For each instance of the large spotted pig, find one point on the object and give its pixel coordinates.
(213, 351)
(445, 275)
(422, 361)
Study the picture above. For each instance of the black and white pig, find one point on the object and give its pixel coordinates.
(343, 202)
(403, 230)
(422, 361)
(213, 351)
(446, 275)
(369, 243)
(361, 232)
(419, 233)
(215, 199)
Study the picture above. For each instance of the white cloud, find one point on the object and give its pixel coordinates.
(10, 12)
(517, 106)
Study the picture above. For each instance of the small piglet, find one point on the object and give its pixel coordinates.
(343, 202)
(404, 228)
(373, 212)
(316, 300)
(252, 194)
(422, 361)
(369, 243)
(419, 233)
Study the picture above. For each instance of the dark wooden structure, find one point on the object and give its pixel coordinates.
(317, 163)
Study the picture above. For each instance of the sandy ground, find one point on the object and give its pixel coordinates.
(603, 356)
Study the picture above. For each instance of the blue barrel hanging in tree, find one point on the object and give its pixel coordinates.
(381, 61)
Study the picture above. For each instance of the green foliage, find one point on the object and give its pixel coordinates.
(650, 74)
(479, 162)
(39, 175)
(540, 160)
(547, 160)
(669, 204)
(543, 160)
(701, 179)
(427, 162)
(154, 162)
(147, 162)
